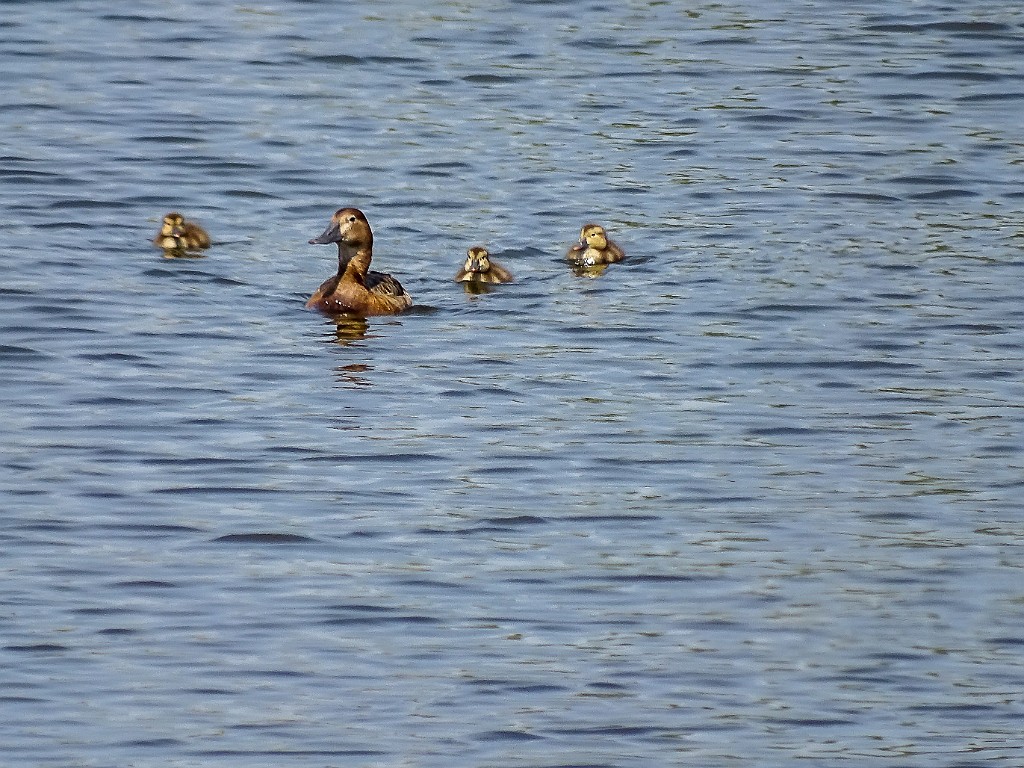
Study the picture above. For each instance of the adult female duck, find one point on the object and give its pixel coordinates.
(479, 268)
(594, 248)
(355, 290)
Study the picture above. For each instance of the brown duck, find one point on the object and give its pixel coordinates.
(355, 290)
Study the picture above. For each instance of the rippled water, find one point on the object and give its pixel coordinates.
(747, 498)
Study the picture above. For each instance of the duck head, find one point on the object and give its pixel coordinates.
(592, 236)
(477, 260)
(173, 225)
(348, 228)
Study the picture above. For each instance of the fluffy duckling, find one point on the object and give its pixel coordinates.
(480, 269)
(176, 234)
(594, 247)
(355, 289)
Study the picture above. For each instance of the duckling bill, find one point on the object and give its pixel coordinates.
(176, 234)
(594, 247)
(480, 268)
(355, 289)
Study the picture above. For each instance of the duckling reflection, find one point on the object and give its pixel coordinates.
(588, 270)
(178, 237)
(594, 248)
(355, 289)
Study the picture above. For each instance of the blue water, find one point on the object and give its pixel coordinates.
(748, 498)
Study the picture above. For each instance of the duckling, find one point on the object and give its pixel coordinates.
(355, 289)
(480, 269)
(176, 234)
(594, 247)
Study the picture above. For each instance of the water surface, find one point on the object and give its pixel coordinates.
(747, 498)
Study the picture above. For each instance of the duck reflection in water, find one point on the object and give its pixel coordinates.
(588, 270)
(349, 328)
(348, 375)
(480, 272)
(181, 239)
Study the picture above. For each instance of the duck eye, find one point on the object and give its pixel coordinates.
(351, 218)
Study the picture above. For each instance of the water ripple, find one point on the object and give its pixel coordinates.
(749, 497)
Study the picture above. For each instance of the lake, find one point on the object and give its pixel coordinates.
(747, 498)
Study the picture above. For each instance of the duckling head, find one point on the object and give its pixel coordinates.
(593, 236)
(348, 227)
(173, 225)
(477, 260)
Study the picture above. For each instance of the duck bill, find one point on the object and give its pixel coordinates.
(580, 246)
(331, 235)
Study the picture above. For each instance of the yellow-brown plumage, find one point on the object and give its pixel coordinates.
(480, 268)
(594, 247)
(176, 234)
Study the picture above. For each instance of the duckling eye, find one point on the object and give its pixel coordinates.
(351, 219)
